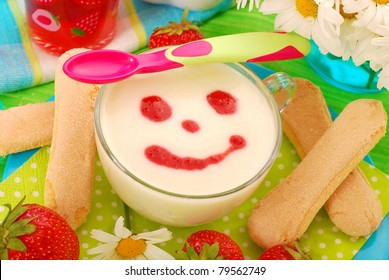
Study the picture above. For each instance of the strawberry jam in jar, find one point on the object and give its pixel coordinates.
(58, 25)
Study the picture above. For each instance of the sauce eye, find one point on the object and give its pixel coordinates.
(223, 102)
(155, 108)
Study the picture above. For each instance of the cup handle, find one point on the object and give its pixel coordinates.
(282, 87)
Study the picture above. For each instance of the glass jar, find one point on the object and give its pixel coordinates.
(58, 26)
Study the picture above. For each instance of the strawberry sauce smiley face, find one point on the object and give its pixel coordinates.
(156, 109)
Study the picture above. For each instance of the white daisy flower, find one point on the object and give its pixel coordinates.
(379, 58)
(242, 3)
(372, 14)
(356, 41)
(318, 20)
(359, 43)
(383, 78)
(124, 245)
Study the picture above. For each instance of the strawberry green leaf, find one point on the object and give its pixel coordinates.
(77, 31)
(181, 255)
(15, 213)
(3, 235)
(16, 244)
(209, 252)
(4, 254)
(192, 254)
(21, 227)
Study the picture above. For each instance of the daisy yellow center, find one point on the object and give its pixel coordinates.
(130, 248)
(381, 2)
(307, 8)
(346, 15)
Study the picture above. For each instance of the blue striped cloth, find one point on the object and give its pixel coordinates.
(23, 64)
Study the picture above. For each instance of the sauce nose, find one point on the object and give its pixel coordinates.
(190, 126)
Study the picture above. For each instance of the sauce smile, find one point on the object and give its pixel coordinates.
(164, 157)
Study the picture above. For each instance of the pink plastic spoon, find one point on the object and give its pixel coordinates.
(106, 66)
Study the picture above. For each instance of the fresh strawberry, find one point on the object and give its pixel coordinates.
(210, 245)
(284, 252)
(34, 232)
(175, 33)
(86, 25)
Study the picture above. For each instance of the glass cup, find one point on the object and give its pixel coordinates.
(186, 146)
(58, 26)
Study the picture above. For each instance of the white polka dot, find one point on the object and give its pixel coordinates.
(281, 166)
(226, 218)
(84, 232)
(279, 155)
(324, 257)
(371, 166)
(2, 194)
(374, 178)
(35, 193)
(318, 218)
(267, 184)
(242, 229)
(85, 245)
(322, 245)
(338, 241)
(98, 205)
(281, 180)
(355, 252)
(241, 215)
(17, 180)
(245, 244)
(17, 194)
(98, 192)
(307, 248)
(33, 165)
(115, 217)
(254, 200)
(114, 204)
(293, 151)
(339, 255)
(99, 218)
(247, 258)
(98, 163)
(34, 179)
(2, 208)
(227, 231)
(320, 231)
(335, 229)
(353, 239)
(377, 192)
(305, 235)
(179, 240)
(98, 178)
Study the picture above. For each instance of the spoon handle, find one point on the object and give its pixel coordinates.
(249, 47)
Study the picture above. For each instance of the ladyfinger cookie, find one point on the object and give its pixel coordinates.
(285, 213)
(354, 206)
(69, 178)
(26, 127)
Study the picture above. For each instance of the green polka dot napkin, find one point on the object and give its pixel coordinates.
(322, 239)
